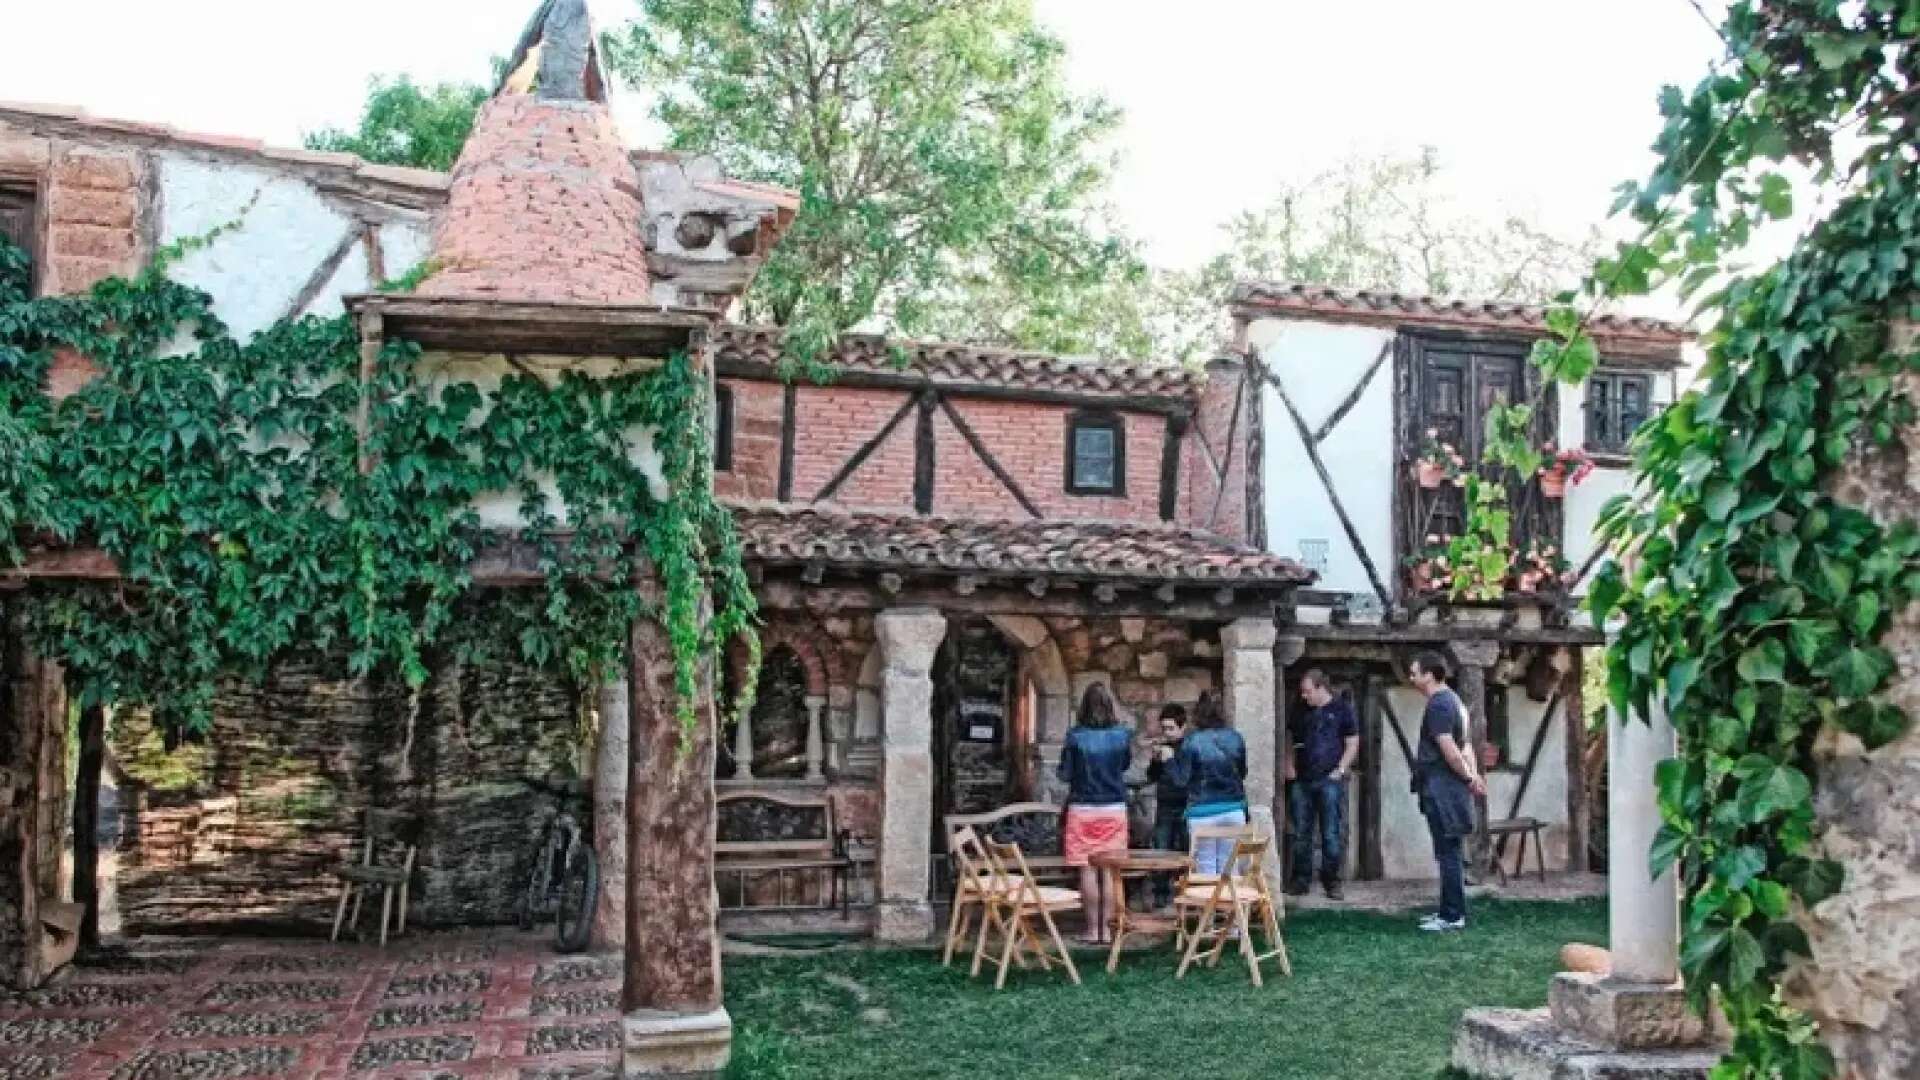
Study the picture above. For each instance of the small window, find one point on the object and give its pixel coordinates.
(1096, 454)
(17, 213)
(1618, 402)
(722, 428)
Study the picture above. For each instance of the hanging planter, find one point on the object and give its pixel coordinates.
(1429, 474)
(1553, 483)
(1436, 462)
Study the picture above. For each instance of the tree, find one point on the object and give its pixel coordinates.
(406, 124)
(1383, 222)
(949, 179)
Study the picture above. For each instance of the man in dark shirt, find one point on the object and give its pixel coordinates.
(1446, 780)
(1170, 799)
(1325, 742)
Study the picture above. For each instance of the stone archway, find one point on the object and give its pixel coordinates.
(1053, 692)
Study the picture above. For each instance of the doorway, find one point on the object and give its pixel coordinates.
(982, 720)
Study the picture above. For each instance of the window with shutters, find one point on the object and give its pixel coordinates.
(1618, 402)
(1096, 454)
(1449, 385)
(19, 213)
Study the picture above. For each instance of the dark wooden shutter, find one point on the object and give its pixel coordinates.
(17, 214)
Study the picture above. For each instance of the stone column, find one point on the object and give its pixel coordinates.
(743, 747)
(1248, 696)
(816, 745)
(610, 814)
(1643, 912)
(1473, 658)
(675, 1024)
(909, 637)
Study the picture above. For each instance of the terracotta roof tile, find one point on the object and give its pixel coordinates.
(957, 365)
(1345, 305)
(1083, 550)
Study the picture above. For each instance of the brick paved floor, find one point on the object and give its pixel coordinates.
(493, 1004)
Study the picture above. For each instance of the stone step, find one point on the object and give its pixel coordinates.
(1524, 1044)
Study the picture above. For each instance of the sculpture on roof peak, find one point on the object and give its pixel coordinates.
(556, 58)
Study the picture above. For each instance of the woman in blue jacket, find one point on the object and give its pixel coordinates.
(1094, 763)
(1212, 766)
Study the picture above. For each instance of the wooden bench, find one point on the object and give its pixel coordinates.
(1035, 826)
(1523, 827)
(760, 832)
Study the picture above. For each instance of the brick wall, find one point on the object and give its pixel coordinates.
(92, 221)
(1229, 446)
(1027, 438)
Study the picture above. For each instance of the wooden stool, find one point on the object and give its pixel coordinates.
(1523, 827)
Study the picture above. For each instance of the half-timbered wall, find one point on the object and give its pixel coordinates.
(940, 452)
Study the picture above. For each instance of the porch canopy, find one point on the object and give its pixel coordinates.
(1144, 607)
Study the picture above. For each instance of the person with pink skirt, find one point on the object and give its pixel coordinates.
(1094, 763)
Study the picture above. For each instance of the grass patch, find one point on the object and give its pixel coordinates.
(1371, 997)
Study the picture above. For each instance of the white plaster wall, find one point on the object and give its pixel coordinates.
(501, 509)
(1406, 847)
(1320, 364)
(286, 229)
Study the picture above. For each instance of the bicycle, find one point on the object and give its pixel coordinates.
(565, 880)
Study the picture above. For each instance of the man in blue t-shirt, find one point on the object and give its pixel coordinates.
(1325, 742)
(1446, 780)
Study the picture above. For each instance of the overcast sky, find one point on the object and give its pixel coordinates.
(1536, 105)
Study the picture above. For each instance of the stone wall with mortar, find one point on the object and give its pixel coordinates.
(1863, 982)
(245, 827)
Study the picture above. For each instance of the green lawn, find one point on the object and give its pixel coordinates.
(1370, 997)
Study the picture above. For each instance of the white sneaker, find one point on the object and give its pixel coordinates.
(1436, 924)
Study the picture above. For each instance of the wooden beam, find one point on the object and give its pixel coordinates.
(1333, 496)
(1226, 463)
(994, 599)
(316, 282)
(1170, 440)
(1575, 708)
(914, 381)
(986, 458)
(852, 464)
(1347, 403)
(924, 465)
(1393, 721)
(1533, 758)
(789, 408)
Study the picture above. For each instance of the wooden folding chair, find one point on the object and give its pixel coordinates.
(972, 881)
(1015, 899)
(386, 863)
(1193, 878)
(1227, 909)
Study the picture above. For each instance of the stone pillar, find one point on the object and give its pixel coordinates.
(816, 744)
(610, 814)
(743, 747)
(1473, 658)
(909, 638)
(1248, 696)
(1643, 912)
(675, 1024)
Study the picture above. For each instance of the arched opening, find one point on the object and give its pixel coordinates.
(777, 724)
(978, 758)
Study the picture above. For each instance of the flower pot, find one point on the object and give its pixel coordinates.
(1420, 578)
(1553, 483)
(1429, 474)
(1489, 755)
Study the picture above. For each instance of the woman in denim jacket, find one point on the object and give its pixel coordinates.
(1212, 766)
(1093, 763)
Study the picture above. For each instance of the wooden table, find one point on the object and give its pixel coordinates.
(1120, 865)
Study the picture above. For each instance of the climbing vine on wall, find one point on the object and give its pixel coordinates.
(1752, 601)
(224, 479)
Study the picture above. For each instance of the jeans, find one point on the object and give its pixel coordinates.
(1317, 805)
(1169, 834)
(1453, 885)
(1210, 856)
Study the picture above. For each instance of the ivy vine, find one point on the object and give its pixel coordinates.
(1750, 600)
(224, 479)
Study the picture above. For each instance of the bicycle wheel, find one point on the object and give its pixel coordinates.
(579, 895)
(539, 879)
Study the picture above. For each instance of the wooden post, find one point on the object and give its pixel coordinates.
(675, 1024)
(86, 820)
(1474, 658)
(1574, 704)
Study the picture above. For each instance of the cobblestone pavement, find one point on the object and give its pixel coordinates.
(500, 1005)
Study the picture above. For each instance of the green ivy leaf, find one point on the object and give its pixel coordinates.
(1765, 662)
(1771, 790)
(1745, 958)
(1740, 865)
(1669, 844)
(1811, 638)
(1857, 672)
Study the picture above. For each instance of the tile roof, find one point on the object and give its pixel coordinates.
(1082, 550)
(971, 366)
(1620, 332)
